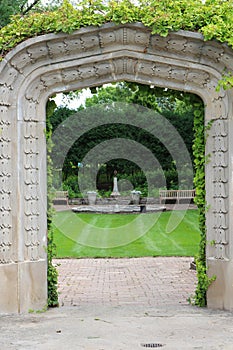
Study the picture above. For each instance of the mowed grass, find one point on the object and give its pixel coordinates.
(173, 233)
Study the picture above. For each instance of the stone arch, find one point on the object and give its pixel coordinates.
(48, 64)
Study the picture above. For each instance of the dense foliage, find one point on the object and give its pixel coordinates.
(213, 18)
(9, 8)
(199, 181)
(52, 274)
(175, 106)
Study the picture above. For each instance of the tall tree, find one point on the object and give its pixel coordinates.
(9, 8)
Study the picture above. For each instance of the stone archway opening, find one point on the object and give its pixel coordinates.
(40, 67)
(112, 274)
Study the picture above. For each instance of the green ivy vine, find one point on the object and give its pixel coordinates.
(52, 274)
(212, 18)
(200, 135)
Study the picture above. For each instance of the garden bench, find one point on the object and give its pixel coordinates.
(176, 195)
(61, 196)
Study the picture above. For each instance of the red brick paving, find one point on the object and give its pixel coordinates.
(146, 281)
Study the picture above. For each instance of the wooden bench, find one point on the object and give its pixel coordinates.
(61, 196)
(176, 195)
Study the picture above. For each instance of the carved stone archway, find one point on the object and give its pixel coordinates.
(48, 64)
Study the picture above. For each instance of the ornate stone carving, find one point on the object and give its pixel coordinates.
(56, 48)
(102, 69)
(125, 65)
(220, 221)
(221, 252)
(5, 198)
(89, 42)
(213, 52)
(220, 190)
(211, 86)
(219, 175)
(107, 38)
(193, 48)
(146, 68)
(220, 183)
(219, 108)
(21, 60)
(125, 36)
(31, 176)
(38, 52)
(5, 253)
(177, 44)
(8, 77)
(220, 128)
(36, 88)
(152, 69)
(221, 236)
(198, 77)
(73, 44)
(220, 205)
(220, 144)
(159, 43)
(226, 59)
(31, 191)
(51, 79)
(5, 146)
(179, 74)
(31, 128)
(31, 206)
(30, 116)
(142, 38)
(5, 188)
(30, 161)
(220, 160)
(82, 73)
(81, 43)
(5, 96)
(32, 242)
(190, 47)
(69, 75)
(87, 72)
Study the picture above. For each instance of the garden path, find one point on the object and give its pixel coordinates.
(144, 281)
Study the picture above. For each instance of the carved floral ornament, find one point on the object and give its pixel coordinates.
(42, 66)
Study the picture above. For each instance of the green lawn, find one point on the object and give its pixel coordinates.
(119, 235)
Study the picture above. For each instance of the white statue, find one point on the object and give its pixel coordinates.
(115, 191)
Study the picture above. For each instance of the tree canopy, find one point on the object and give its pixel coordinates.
(177, 107)
(9, 8)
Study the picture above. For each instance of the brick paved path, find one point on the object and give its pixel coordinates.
(114, 282)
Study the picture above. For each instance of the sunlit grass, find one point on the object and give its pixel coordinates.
(119, 235)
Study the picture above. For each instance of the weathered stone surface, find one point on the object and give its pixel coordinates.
(42, 66)
(9, 284)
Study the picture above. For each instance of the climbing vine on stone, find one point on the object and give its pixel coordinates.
(52, 274)
(199, 184)
(212, 18)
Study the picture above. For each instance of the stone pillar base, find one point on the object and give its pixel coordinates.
(23, 286)
(220, 292)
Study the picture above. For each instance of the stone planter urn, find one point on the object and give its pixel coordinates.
(91, 196)
(135, 197)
